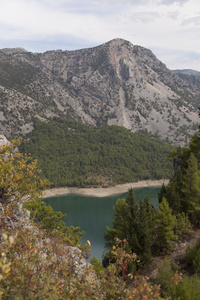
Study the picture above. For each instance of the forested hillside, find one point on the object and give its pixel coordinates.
(73, 154)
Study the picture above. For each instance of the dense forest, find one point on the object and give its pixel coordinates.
(73, 154)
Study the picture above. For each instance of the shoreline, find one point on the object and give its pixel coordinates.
(100, 191)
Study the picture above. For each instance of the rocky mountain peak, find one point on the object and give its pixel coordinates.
(115, 83)
(14, 50)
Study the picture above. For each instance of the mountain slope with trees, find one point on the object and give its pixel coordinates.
(73, 154)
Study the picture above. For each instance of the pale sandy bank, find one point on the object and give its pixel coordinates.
(103, 192)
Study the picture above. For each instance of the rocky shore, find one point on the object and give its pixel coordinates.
(103, 191)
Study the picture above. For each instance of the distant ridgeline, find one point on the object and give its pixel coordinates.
(73, 154)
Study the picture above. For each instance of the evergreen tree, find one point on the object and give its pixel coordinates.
(146, 228)
(195, 146)
(162, 193)
(134, 224)
(165, 222)
(191, 190)
(120, 224)
(173, 192)
(183, 225)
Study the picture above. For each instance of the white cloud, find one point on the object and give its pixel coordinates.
(170, 2)
(145, 16)
(72, 24)
(192, 21)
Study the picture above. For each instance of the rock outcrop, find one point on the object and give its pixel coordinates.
(3, 140)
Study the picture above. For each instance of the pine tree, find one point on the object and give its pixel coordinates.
(146, 229)
(165, 222)
(195, 146)
(191, 190)
(173, 192)
(162, 193)
(133, 224)
(120, 224)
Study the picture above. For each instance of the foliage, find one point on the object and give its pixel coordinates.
(97, 265)
(123, 257)
(134, 224)
(165, 275)
(41, 268)
(73, 154)
(165, 226)
(196, 261)
(169, 280)
(183, 190)
(36, 264)
(4, 263)
(146, 230)
(45, 215)
(119, 284)
(183, 194)
(182, 226)
(188, 288)
(53, 221)
(192, 257)
(191, 189)
(20, 179)
(34, 275)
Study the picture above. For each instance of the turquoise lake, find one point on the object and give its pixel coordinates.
(93, 214)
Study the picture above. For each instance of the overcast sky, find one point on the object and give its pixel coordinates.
(171, 29)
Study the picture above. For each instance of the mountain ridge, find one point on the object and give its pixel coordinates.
(187, 72)
(116, 83)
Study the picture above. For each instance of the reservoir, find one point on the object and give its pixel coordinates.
(93, 214)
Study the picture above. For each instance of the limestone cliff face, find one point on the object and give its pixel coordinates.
(114, 83)
(3, 140)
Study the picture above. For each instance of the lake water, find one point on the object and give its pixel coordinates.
(93, 214)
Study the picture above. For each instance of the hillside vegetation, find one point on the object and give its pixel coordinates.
(73, 154)
(150, 233)
(43, 259)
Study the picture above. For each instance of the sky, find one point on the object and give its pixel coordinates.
(169, 28)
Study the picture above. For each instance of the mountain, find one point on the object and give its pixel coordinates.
(192, 77)
(116, 83)
(187, 72)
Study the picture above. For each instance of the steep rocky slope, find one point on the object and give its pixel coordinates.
(114, 83)
(187, 72)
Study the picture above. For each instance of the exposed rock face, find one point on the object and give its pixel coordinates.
(3, 140)
(187, 72)
(114, 83)
(21, 221)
